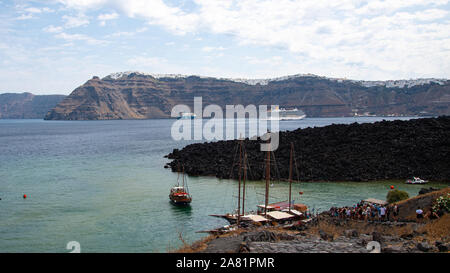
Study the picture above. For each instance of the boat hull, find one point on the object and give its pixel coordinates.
(180, 200)
(180, 203)
(416, 181)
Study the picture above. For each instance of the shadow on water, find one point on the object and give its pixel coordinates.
(181, 210)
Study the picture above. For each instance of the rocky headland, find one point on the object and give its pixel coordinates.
(385, 150)
(27, 105)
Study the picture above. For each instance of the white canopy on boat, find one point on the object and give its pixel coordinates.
(293, 211)
(375, 201)
(279, 215)
(255, 218)
(269, 207)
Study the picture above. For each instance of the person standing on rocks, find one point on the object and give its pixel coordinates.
(382, 213)
(395, 212)
(388, 212)
(419, 214)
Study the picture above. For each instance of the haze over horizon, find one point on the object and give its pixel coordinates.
(54, 46)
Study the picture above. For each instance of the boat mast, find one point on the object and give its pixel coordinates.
(267, 180)
(183, 177)
(290, 175)
(240, 171)
(245, 178)
(178, 177)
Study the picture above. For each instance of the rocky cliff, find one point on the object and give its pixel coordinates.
(27, 105)
(141, 96)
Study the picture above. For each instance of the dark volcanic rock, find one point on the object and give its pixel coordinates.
(441, 246)
(351, 233)
(266, 236)
(355, 152)
(425, 190)
(425, 247)
(325, 236)
(376, 236)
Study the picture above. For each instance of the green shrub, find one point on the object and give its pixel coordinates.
(396, 195)
(443, 202)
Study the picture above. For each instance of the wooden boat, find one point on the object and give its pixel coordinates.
(278, 212)
(179, 195)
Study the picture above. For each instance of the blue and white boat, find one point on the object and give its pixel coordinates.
(187, 116)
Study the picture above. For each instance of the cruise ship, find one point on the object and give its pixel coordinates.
(286, 114)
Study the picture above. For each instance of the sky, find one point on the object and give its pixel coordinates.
(54, 46)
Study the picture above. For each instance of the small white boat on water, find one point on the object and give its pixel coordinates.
(416, 180)
(187, 116)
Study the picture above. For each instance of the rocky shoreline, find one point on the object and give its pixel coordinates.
(328, 234)
(313, 239)
(385, 150)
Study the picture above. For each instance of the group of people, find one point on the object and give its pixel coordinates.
(366, 211)
(430, 214)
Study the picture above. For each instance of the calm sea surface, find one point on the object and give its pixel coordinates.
(102, 183)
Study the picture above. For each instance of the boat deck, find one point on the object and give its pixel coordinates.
(279, 215)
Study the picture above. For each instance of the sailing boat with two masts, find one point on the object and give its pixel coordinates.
(278, 212)
(179, 195)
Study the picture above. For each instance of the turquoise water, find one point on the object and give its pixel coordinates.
(102, 183)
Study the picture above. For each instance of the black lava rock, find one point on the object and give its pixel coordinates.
(423, 247)
(353, 152)
(425, 190)
(442, 247)
(376, 236)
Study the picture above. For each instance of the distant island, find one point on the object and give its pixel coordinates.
(134, 95)
(27, 105)
(385, 150)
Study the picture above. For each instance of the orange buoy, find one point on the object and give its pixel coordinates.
(24, 196)
(392, 187)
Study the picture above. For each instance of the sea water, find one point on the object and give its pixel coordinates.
(103, 185)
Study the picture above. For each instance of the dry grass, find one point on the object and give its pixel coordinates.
(195, 247)
(438, 230)
(399, 231)
(360, 226)
(433, 193)
(202, 244)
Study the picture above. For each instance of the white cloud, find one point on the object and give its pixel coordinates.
(156, 12)
(36, 10)
(75, 21)
(275, 60)
(212, 48)
(80, 37)
(83, 4)
(122, 34)
(25, 17)
(371, 39)
(53, 29)
(33, 10)
(143, 61)
(127, 33)
(106, 17)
